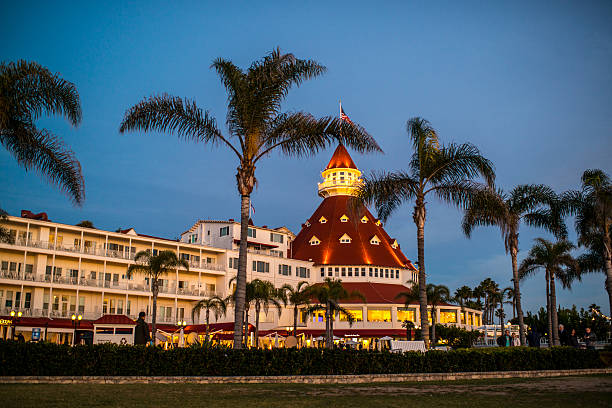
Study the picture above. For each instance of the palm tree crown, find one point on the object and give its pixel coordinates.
(446, 172)
(329, 294)
(214, 304)
(298, 296)
(535, 205)
(557, 262)
(154, 267)
(593, 209)
(28, 91)
(256, 127)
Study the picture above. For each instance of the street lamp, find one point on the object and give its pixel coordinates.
(181, 324)
(76, 321)
(14, 322)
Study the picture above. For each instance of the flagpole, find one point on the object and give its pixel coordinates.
(340, 113)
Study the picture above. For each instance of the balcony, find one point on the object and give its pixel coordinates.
(124, 255)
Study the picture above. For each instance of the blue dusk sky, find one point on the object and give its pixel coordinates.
(528, 82)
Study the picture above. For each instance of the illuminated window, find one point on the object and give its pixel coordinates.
(344, 218)
(314, 240)
(394, 245)
(470, 319)
(448, 316)
(378, 222)
(406, 313)
(364, 219)
(356, 313)
(379, 315)
(345, 239)
(477, 321)
(307, 224)
(322, 220)
(343, 271)
(374, 240)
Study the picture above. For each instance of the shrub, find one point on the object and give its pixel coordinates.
(18, 359)
(457, 337)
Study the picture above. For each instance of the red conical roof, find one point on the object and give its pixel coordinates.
(360, 251)
(341, 159)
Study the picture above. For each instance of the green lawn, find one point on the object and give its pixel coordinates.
(592, 391)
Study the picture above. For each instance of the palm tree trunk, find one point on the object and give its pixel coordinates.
(295, 316)
(245, 203)
(608, 264)
(257, 309)
(246, 326)
(419, 219)
(331, 329)
(517, 289)
(328, 339)
(207, 324)
(154, 311)
(433, 325)
(553, 309)
(548, 311)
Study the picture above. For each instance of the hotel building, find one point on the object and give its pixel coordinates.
(50, 271)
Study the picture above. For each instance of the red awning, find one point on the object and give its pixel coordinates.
(357, 332)
(201, 328)
(51, 323)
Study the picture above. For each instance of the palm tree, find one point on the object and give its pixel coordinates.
(436, 295)
(5, 234)
(462, 295)
(487, 289)
(329, 294)
(215, 304)
(593, 209)
(298, 296)
(154, 267)
(257, 126)
(556, 260)
(85, 224)
(264, 295)
(447, 172)
(535, 205)
(28, 91)
(248, 299)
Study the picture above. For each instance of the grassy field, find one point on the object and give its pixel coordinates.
(592, 391)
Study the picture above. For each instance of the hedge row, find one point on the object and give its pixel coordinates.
(108, 360)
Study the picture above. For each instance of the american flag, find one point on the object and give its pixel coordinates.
(344, 116)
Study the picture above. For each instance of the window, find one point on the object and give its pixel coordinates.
(406, 313)
(394, 245)
(27, 302)
(386, 273)
(374, 240)
(185, 257)
(322, 220)
(336, 271)
(357, 315)
(314, 240)
(379, 315)
(9, 299)
(364, 219)
(92, 275)
(252, 232)
(371, 272)
(276, 237)
(329, 271)
(260, 266)
(343, 273)
(193, 238)
(345, 239)
(448, 316)
(123, 330)
(322, 272)
(46, 301)
(82, 304)
(302, 272)
(233, 263)
(275, 252)
(397, 274)
(223, 231)
(376, 272)
(363, 271)
(28, 269)
(344, 218)
(284, 270)
(350, 271)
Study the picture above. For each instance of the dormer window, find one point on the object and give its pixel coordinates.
(374, 240)
(322, 220)
(378, 222)
(314, 240)
(344, 218)
(345, 239)
(394, 244)
(364, 219)
(307, 224)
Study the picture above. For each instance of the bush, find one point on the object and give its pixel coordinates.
(457, 337)
(35, 359)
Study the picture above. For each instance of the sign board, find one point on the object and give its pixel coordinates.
(36, 334)
(5, 322)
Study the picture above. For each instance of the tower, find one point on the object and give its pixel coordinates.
(342, 237)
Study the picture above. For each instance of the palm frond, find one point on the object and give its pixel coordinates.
(456, 162)
(487, 207)
(46, 154)
(387, 191)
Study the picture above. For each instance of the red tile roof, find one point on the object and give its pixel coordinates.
(115, 319)
(359, 251)
(341, 159)
(374, 293)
